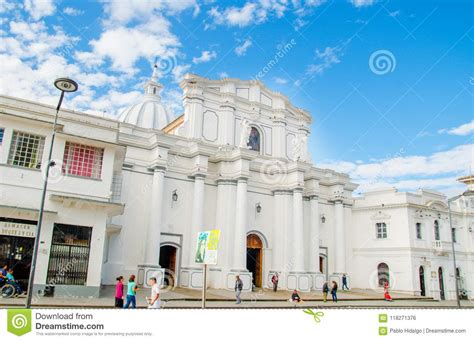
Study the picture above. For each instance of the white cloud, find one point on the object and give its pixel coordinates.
(124, 11)
(327, 58)
(72, 11)
(462, 130)
(39, 8)
(172, 100)
(438, 170)
(88, 59)
(241, 50)
(223, 75)
(279, 80)
(205, 57)
(114, 102)
(257, 12)
(235, 16)
(6, 6)
(394, 13)
(124, 46)
(179, 71)
(362, 3)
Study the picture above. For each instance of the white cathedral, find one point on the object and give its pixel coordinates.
(129, 196)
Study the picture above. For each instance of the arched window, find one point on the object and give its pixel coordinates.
(154, 91)
(254, 139)
(383, 274)
(436, 230)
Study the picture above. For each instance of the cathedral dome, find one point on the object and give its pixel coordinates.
(150, 112)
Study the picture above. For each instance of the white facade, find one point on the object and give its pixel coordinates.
(276, 211)
(408, 253)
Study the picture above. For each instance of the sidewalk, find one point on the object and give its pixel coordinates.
(219, 298)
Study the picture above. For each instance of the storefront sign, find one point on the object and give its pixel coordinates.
(17, 229)
(206, 250)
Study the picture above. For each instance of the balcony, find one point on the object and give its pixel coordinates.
(441, 248)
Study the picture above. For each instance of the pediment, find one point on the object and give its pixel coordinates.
(437, 205)
(379, 215)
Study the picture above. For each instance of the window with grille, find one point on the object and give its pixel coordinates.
(418, 231)
(26, 150)
(69, 255)
(82, 160)
(2, 131)
(381, 230)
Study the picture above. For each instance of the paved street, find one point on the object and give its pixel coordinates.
(186, 298)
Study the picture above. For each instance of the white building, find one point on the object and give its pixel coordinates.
(407, 237)
(130, 195)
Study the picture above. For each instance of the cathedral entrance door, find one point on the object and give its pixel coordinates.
(254, 258)
(168, 254)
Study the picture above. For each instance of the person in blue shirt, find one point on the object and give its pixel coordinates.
(4, 271)
(11, 280)
(131, 293)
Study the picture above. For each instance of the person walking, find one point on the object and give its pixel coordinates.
(344, 282)
(238, 289)
(325, 291)
(334, 291)
(275, 281)
(386, 294)
(131, 293)
(154, 301)
(119, 292)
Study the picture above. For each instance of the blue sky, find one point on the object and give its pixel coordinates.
(389, 83)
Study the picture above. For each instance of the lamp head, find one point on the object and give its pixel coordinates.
(66, 85)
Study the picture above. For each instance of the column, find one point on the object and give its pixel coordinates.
(298, 236)
(152, 251)
(339, 240)
(279, 230)
(197, 217)
(314, 234)
(240, 235)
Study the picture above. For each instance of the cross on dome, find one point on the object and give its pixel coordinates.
(149, 113)
(153, 87)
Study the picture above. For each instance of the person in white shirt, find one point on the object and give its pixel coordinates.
(154, 301)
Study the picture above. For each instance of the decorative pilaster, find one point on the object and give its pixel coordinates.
(240, 235)
(228, 116)
(197, 216)
(339, 240)
(298, 278)
(152, 251)
(314, 235)
(151, 266)
(298, 236)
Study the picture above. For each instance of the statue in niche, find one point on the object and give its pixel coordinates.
(245, 131)
(254, 139)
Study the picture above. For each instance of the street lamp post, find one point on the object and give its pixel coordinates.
(65, 85)
(469, 180)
